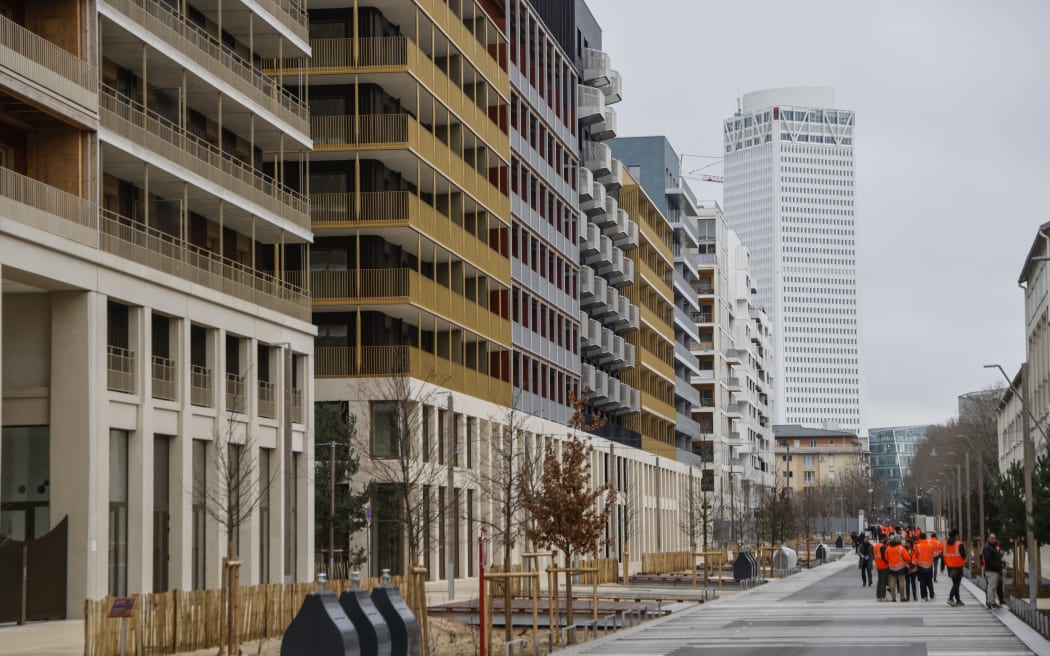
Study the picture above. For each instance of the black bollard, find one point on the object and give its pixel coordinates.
(404, 629)
(321, 628)
(372, 630)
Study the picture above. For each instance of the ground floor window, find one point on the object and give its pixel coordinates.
(387, 531)
(118, 513)
(25, 482)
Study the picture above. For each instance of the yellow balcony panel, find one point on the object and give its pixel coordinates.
(379, 132)
(168, 25)
(159, 250)
(396, 54)
(381, 361)
(658, 407)
(156, 134)
(453, 26)
(401, 209)
(50, 69)
(406, 287)
(48, 208)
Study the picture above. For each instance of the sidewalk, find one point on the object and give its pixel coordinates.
(63, 638)
(1029, 636)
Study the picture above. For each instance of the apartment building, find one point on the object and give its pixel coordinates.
(154, 235)
(813, 457)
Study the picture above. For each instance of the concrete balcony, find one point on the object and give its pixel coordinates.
(686, 392)
(591, 105)
(206, 57)
(735, 356)
(704, 376)
(164, 378)
(120, 369)
(598, 202)
(159, 250)
(598, 158)
(341, 214)
(606, 127)
(47, 208)
(155, 134)
(403, 286)
(613, 180)
(382, 361)
(733, 383)
(585, 182)
(49, 70)
(607, 217)
(596, 67)
(386, 132)
(702, 318)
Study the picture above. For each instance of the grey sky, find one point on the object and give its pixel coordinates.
(952, 156)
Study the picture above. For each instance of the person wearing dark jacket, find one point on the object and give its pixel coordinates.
(866, 555)
(993, 570)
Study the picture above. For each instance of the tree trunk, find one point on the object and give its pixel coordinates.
(568, 590)
(508, 614)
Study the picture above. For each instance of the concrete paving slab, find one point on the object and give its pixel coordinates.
(65, 638)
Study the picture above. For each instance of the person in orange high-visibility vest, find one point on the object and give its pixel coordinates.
(882, 571)
(923, 561)
(938, 555)
(954, 560)
(897, 560)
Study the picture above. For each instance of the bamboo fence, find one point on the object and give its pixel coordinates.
(664, 563)
(608, 571)
(178, 621)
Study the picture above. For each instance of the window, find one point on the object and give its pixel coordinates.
(161, 511)
(25, 489)
(807, 461)
(807, 477)
(118, 512)
(264, 515)
(384, 429)
(199, 510)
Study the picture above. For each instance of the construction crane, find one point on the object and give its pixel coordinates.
(703, 177)
(713, 178)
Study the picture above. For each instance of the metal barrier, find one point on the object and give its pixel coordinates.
(1031, 616)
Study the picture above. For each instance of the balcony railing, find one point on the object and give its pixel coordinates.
(159, 250)
(297, 406)
(402, 131)
(267, 405)
(373, 361)
(163, 378)
(235, 398)
(34, 58)
(42, 206)
(120, 368)
(473, 50)
(159, 135)
(170, 25)
(201, 386)
(403, 285)
(402, 208)
(291, 12)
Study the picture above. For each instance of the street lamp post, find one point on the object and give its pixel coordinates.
(1027, 419)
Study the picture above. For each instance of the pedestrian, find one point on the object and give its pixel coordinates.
(923, 561)
(954, 561)
(865, 553)
(897, 560)
(993, 570)
(882, 570)
(911, 576)
(938, 555)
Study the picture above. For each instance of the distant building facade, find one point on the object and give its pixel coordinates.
(892, 450)
(812, 457)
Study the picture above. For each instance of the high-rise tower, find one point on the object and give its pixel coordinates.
(789, 194)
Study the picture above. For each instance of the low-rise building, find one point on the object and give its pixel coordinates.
(814, 457)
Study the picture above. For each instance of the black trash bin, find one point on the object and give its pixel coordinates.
(372, 631)
(404, 629)
(321, 628)
(745, 567)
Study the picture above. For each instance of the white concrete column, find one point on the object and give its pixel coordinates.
(140, 458)
(181, 539)
(79, 441)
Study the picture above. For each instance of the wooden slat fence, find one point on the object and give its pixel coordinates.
(178, 621)
(608, 571)
(667, 562)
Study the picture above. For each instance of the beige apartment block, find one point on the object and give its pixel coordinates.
(814, 457)
(153, 237)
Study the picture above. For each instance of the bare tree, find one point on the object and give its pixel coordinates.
(696, 520)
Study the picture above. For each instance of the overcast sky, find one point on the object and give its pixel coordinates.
(952, 156)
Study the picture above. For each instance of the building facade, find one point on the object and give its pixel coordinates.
(814, 457)
(892, 450)
(154, 234)
(789, 194)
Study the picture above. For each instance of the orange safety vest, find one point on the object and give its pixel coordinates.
(896, 558)
(880, 562)
(884, 530)
(924, 554)
(938, 547)
(952, 558)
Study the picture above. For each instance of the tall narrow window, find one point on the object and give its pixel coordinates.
(25, 482)
(384, 430)
(161, 512)
(118, 513)
(235, 488)
(264, 515)
(200, 491)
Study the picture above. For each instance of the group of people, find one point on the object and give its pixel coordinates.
(905, 557)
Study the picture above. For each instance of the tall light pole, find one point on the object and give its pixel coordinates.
(980, 484)
(1027, 419)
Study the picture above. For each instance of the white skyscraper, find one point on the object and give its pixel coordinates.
(789, 194)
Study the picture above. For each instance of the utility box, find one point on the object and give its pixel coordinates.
(372, 631)
(321, 628)
(404, 629)
(745, 567)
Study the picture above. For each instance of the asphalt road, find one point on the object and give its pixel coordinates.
(819, 612)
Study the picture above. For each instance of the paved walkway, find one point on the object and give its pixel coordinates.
(821, 612)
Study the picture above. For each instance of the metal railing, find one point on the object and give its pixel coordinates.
(293, 9)
(297, 406)
(42, 206)
(164, 137)
(473, 50)
(120, 369)
(159, 250)
(200, 386)
(164, 378)
(267, 404)
(236, 401)
(51, 58)
(170, 24)
(1030, 616)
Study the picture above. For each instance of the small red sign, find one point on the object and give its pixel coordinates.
(122, 607)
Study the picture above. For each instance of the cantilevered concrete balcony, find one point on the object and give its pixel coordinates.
(46, 73)
(591, 104)
(598, 158)
(39, 205)
(606, 127)
(188, 156)
(596, 67)
(192, 48)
